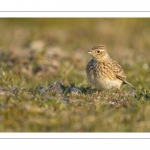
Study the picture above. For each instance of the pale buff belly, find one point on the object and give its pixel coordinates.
(103, 83)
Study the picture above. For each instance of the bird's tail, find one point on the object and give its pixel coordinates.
(126, 82)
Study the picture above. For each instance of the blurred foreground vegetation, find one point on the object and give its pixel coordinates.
(43, 84)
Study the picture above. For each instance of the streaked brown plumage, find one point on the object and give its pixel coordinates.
(103, 72)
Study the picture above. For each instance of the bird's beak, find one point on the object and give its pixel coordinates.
(89, 52)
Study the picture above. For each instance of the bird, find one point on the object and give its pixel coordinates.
(103, 72)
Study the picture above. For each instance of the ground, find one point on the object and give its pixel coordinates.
(43, 83)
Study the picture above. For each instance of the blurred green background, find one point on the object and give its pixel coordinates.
(40, 51)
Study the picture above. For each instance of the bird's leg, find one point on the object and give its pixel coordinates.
(119, 91)
(98, 92)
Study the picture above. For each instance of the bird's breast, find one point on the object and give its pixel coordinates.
(101, 75)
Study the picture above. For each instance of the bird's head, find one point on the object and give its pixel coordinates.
(99, 53)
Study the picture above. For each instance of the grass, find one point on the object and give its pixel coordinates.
(43, 84)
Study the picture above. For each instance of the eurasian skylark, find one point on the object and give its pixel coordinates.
(103, 72)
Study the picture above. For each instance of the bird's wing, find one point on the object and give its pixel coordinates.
(118, 71)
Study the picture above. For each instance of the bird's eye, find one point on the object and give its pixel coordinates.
(98, 51)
